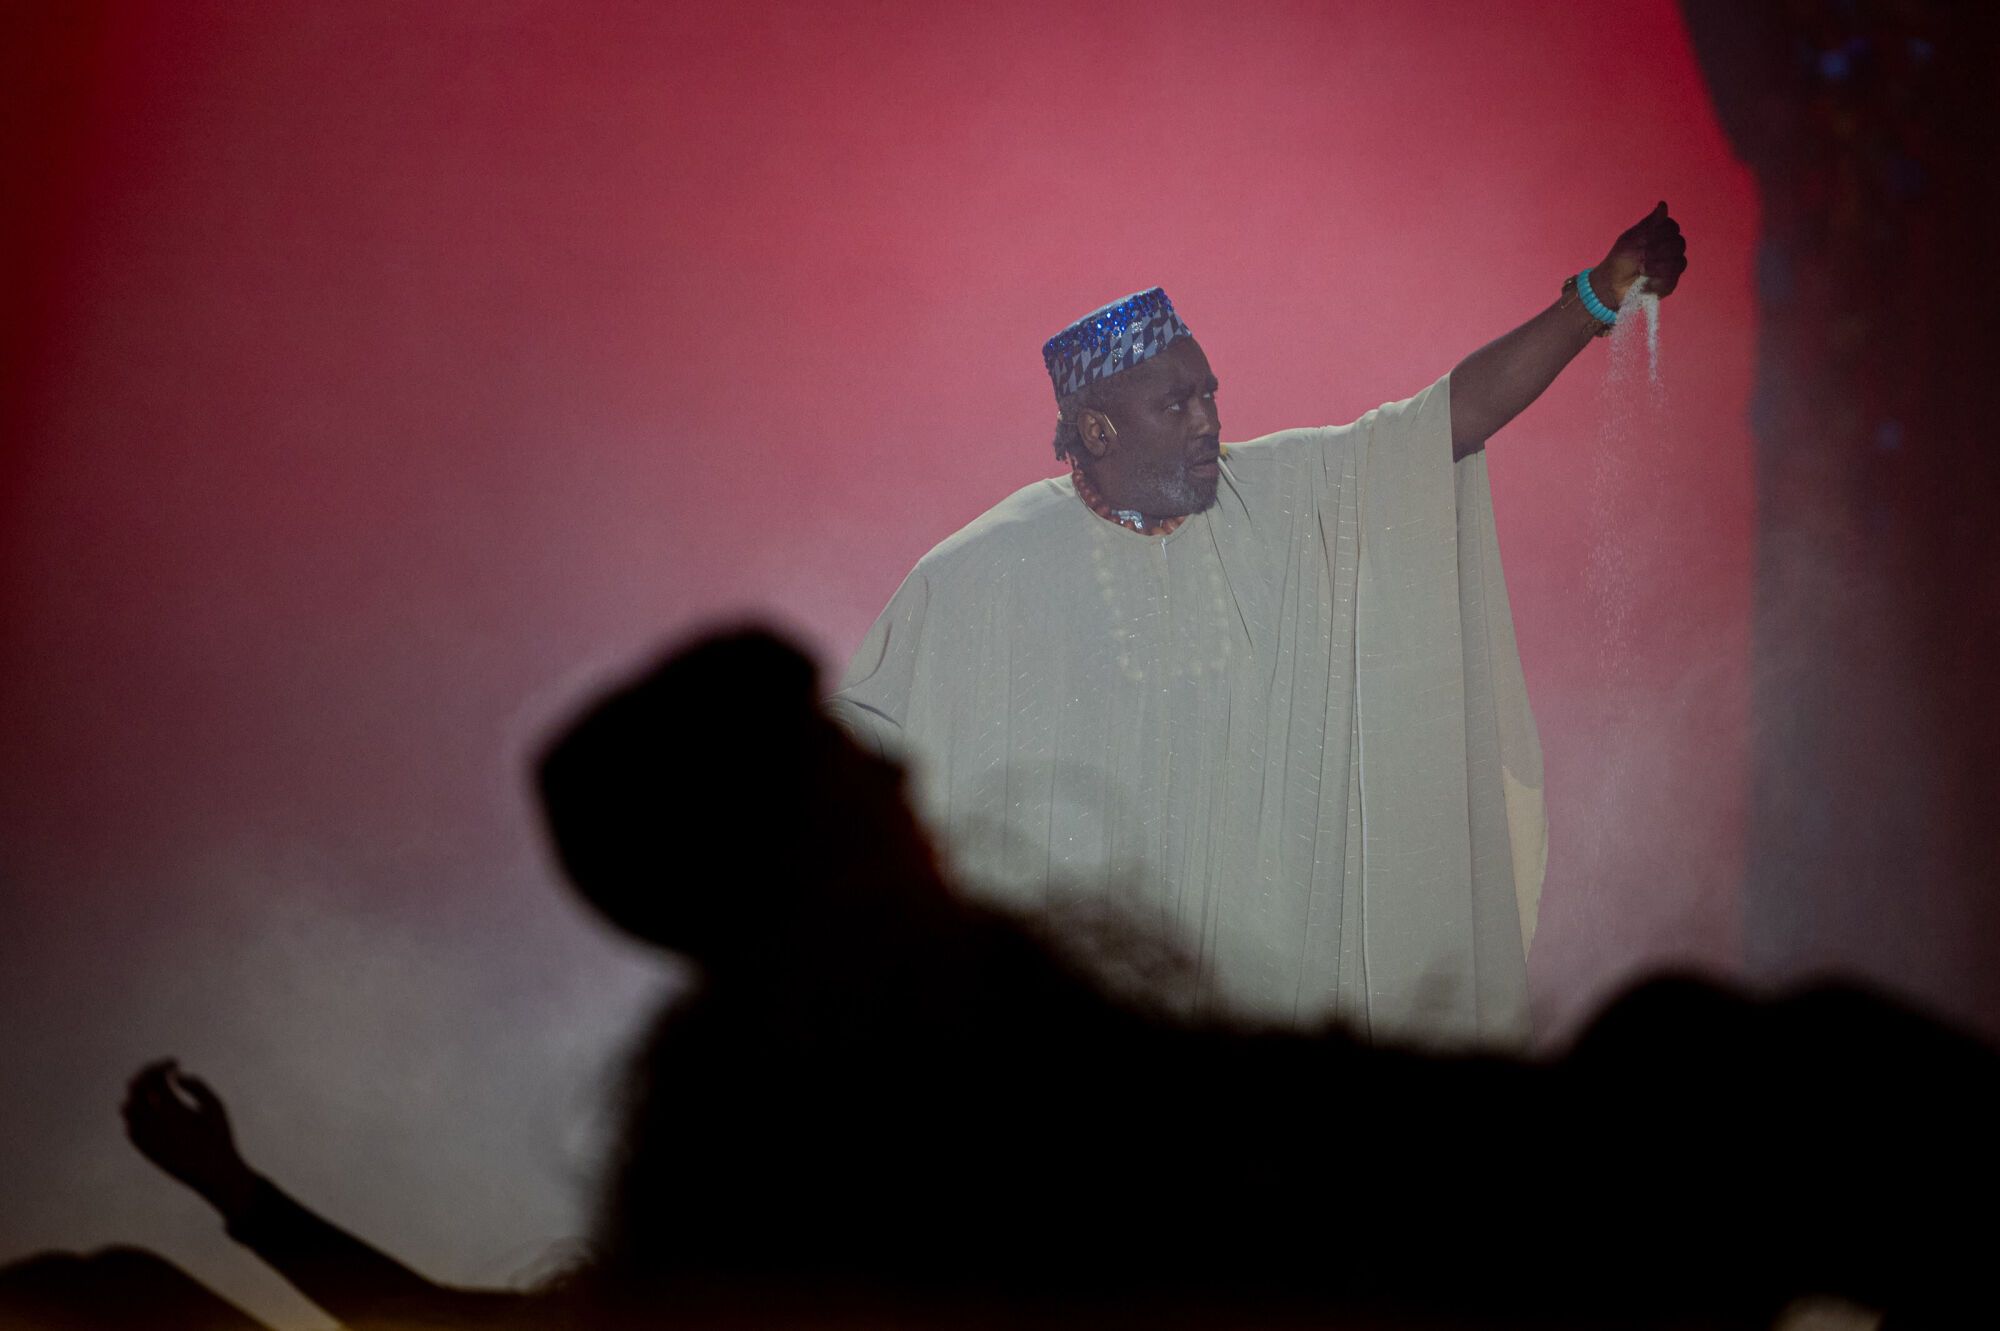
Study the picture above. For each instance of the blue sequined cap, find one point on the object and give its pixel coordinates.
(1115, 338)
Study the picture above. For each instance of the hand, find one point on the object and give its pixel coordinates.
(179, 1124)
(1653, 249)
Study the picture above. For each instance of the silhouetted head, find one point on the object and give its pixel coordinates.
(711, 802)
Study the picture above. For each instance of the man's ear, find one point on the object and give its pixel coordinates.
(1096, 431)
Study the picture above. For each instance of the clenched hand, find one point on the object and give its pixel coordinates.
(1653, 249)
(179, 1124)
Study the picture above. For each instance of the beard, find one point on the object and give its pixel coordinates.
(1173, 490)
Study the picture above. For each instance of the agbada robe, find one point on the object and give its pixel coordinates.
(1293, 731)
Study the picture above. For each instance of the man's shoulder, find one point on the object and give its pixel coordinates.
(1284, 445)
(1028, 525)
(1433, 403)
(1281, 462)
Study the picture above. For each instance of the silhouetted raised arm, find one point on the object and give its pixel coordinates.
(180, 1125)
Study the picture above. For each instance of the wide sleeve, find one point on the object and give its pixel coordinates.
(873, 701)
(1498, 715)
(1441, 710)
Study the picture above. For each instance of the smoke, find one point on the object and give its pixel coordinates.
(376, 1061)
(1644, 738)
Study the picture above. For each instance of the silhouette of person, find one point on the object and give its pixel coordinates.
(885, 1106)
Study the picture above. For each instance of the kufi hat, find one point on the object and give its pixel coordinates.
(1115, 338)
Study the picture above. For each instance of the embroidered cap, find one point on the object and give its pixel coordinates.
(1115, 338)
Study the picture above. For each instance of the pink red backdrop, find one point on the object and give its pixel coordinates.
(384, 375)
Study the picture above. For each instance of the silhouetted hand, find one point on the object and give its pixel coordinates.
(179, 1124)
(1653, 248)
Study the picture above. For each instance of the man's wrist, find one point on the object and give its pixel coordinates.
(1578, 310)
(1609, 283)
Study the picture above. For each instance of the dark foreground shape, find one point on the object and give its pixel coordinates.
(884, 1106)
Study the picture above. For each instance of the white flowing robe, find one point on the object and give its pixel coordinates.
(1294, 731)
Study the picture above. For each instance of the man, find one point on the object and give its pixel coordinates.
(1268, 693)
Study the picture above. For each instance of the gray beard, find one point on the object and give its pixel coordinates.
(1174, 492)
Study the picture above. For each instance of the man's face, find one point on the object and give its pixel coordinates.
(1163, 460)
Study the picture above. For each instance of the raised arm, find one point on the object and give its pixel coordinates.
(180, 1125)
(1497, 382)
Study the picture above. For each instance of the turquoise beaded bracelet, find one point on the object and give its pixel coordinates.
(1599, 311)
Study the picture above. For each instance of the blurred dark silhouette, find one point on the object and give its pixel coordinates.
(1872, 127)
(883, 1105)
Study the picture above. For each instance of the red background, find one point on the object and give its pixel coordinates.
(384, 375)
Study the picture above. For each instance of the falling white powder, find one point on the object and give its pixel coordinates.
(1621, 474)
(1622, 564)
(1641, 307)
